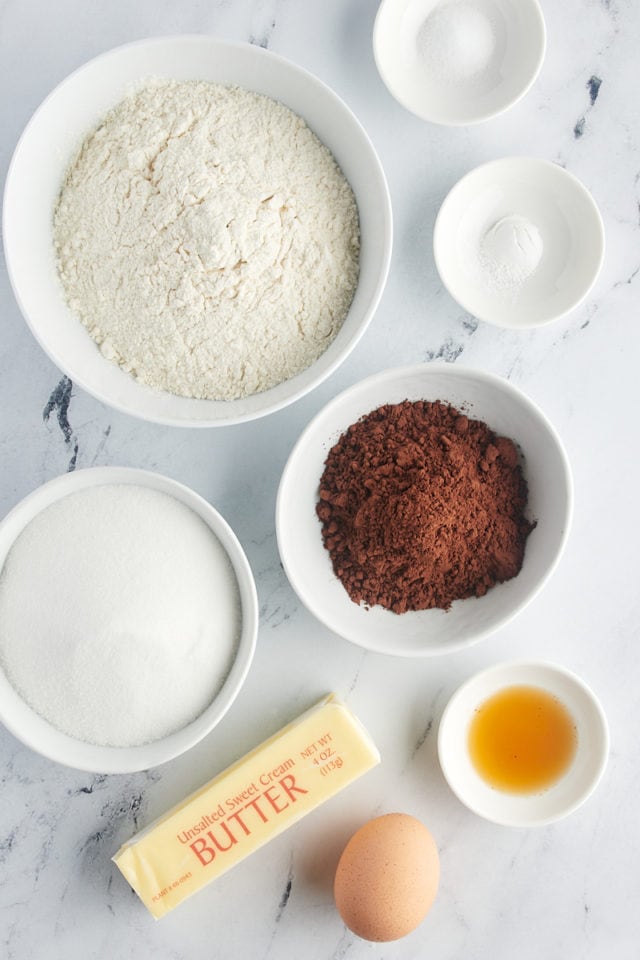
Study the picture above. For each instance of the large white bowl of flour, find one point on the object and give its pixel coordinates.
(128, 619)
(50, 143)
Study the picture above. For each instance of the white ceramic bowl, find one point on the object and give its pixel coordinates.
(458, 62)
(40, 735)
(570, 238)
(56, 131)
(570, 791)
(424, 633)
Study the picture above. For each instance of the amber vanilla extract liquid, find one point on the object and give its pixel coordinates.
(522, 739)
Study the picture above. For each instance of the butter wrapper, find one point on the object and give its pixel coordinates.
(245, 806)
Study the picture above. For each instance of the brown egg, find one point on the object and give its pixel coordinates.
(387, 877)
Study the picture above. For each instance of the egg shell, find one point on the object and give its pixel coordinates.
(387, 877)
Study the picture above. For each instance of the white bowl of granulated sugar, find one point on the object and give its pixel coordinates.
(197, 232)
(128, 619)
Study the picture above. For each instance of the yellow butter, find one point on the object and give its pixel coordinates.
(247, 805)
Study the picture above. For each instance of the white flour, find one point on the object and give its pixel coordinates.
(207, 239)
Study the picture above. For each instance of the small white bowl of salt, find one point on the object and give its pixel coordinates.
(458, 62)
(518, 242)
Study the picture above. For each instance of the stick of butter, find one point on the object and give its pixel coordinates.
(247, 805)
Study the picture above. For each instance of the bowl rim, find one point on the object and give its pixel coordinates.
(515, 160)
(485, 115)
(459, 372)
(96, 758)
(494, 672)
(383, 200)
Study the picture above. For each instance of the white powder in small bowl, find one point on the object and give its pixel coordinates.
(509, 253)
(456, 42)
(119, 615)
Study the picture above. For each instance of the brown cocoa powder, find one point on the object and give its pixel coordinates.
(420, 506)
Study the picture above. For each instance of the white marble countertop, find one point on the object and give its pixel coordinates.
(570, 890)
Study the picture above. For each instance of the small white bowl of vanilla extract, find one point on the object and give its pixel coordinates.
(523, 744)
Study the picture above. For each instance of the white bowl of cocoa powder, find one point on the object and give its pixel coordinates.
(423, 508)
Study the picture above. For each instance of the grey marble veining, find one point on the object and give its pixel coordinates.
(570, 890)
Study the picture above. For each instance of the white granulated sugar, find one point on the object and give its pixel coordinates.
(119, 615)
(207, 239)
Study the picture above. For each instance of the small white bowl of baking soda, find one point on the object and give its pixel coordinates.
(197, 232)
(458, 62)
(128, 619)
(519, 242)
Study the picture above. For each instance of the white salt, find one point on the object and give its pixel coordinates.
(119, 615)
(456, 42)
(509, 253)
